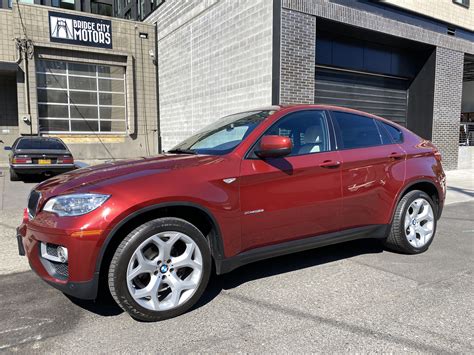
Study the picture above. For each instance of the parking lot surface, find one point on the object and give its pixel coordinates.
(353, 297)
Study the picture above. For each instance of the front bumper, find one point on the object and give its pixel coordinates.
(79, 282)
(86, 290)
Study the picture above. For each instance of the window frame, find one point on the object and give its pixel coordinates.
(338, 131)
(250, 153)
(97, 77)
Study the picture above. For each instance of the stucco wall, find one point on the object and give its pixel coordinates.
(444, 10)
(128, 50)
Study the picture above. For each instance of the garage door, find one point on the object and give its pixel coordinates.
(383, 96)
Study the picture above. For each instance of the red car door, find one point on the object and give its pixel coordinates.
(295, 196)
(373, 170)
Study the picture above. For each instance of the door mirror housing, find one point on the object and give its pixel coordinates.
(7, 148)
(274, 147)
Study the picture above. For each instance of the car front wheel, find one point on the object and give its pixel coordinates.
(160, 269)
(414, 224)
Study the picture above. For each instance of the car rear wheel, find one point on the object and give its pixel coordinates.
(414, 224)
(14, 175)
(160, 269)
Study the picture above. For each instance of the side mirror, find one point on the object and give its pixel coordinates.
(274, 147)
(7, 148)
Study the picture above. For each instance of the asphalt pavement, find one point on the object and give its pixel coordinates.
(352, 297)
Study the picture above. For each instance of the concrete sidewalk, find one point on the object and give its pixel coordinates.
(460, 186)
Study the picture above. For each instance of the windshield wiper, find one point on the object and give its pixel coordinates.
(182, 151)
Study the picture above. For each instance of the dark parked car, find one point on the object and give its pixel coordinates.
(39, 155)
(251, 186)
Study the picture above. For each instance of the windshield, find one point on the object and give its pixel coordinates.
(222, 136)
(50, 144)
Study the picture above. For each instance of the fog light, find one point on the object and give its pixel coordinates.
(62, 254)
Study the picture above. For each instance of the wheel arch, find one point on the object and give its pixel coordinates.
(196, 214)
(425, 185)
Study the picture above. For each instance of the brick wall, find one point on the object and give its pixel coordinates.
(215, 58)
(447, 104)
(298, 46)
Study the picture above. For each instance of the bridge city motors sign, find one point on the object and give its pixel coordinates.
(81, 30)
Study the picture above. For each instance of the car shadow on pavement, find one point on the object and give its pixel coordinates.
(287, 263)
(106, 306)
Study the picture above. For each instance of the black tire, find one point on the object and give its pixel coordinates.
(14, 175)
(397, 240)
(119, 263)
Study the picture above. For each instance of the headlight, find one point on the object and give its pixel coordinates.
(74, 205)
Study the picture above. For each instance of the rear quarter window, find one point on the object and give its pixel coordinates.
(395, 134)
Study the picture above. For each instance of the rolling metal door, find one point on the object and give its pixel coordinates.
(380, 95)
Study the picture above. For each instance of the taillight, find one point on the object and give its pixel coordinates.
(66, 160)
(21, 160)
(25, 215)
(437, 156)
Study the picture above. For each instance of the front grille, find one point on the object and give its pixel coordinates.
(62, 270)
(33, 201)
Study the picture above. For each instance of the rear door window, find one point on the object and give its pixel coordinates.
(356, 131)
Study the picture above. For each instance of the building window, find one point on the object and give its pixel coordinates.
(464, 3)
(67, 4)
(80, 98)
(101, 8)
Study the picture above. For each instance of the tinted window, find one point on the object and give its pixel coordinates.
(307, 130)
(52, 144)
(394, 133)
(357, 131)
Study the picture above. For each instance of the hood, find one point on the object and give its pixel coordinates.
(107, 174)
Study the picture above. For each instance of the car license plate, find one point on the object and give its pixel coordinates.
(44, 161)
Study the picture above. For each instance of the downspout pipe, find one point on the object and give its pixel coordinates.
(157, 80)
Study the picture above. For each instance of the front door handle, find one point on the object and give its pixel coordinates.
(396, 156)
(330, 164)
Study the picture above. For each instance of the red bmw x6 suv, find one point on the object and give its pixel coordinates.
(252, 185)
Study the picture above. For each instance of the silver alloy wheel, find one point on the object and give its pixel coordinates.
(419, 223)
(164, 271)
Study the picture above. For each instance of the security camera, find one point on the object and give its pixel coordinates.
(26, 119)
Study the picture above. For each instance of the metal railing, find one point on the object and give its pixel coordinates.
(466, 133)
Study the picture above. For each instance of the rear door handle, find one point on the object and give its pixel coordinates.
(396, 156)
(330, 164)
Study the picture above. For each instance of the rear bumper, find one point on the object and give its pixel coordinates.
(37, 168)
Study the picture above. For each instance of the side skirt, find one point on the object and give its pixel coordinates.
(379, 231)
